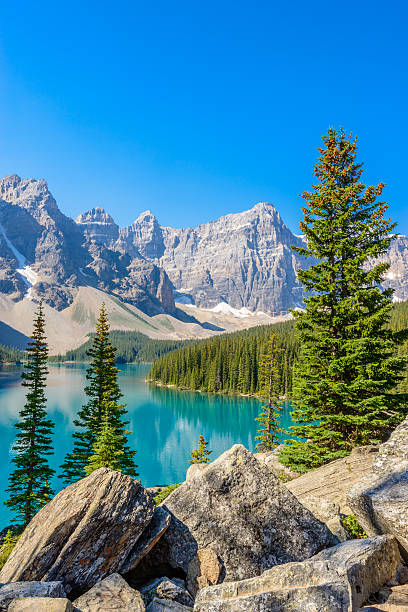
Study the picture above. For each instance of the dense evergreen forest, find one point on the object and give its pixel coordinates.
(131, 347)
(11, 355)
(230, 363)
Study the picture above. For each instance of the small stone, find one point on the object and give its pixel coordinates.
(167, 589)
(204, 570)
(112, 593)
(165, 605)
(41, 604)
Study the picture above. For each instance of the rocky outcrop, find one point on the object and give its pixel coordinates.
(84, 534)
(338, 579)
(112, 593)
(380, 499)
(15, 590)
(240, 510)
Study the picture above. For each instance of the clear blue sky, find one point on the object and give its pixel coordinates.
(197, 109)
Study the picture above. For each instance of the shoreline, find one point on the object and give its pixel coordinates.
(157, 383)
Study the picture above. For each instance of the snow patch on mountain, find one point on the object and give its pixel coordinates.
(225, 308)
(29, 276)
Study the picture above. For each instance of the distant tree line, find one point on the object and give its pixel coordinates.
(131, 347)
(229, 363)
(9, 354)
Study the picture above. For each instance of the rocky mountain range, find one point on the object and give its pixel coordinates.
(238, 265)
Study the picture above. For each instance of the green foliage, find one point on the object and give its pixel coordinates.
(201, 454)
(344, 389)
(195, 366)
(350, 524)
(9, 354)
(229, 363)
(269, 417)
(29, 486)
(9, 542)
(165, 493)
(107, 451)
(131, 347)
(103, 396)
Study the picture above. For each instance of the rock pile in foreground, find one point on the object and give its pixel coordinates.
(380, 499)
(231, 538)
(240, 510)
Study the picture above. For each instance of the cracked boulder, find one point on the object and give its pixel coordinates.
(84, 534)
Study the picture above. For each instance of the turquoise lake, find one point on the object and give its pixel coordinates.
(165, 423)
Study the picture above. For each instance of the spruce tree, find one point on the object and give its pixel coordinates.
(344, 391)
(108, 450)
(201, 454)
(29, 483)
(269, 417)
(103, 393)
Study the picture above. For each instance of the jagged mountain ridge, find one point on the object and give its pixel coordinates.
(244, 259)
(59, 257)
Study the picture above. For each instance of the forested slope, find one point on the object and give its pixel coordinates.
(131, 347)
(229, 363)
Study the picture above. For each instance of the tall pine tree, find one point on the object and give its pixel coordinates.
(269, 417)
(103, 395)
(29, 483)
(344, 387)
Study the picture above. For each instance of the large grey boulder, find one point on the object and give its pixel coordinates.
(14, 590)
(380, 499)
(339, 579)
(84, 534)
(41, 604)
(112, 593)
(240, 510)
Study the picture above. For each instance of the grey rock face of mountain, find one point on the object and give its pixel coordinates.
(98, 226)
(397, 275)
(44, 254)
(244, 259)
